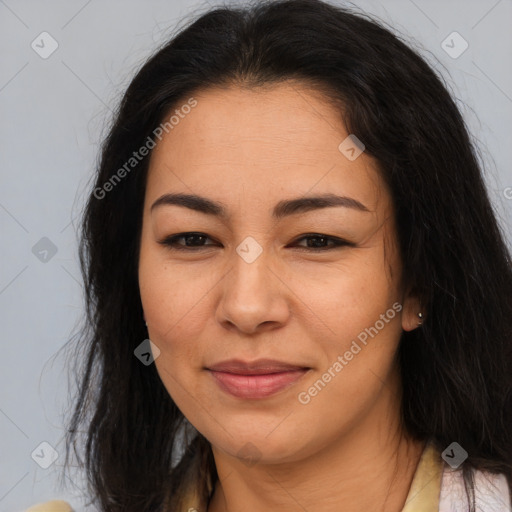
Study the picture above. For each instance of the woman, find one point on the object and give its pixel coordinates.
(288, 205)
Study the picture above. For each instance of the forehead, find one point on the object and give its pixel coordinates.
(280, 140)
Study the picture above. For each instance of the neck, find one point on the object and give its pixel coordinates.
(370, 467)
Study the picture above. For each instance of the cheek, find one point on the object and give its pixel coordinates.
(168, 291)
(364, 320)
(177, 301)
(174, 305)
(357, 313)
(348, 296)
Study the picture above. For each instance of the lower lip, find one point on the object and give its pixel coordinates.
(256, 386)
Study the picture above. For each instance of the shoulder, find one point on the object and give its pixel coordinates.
(51, 506)
(492, 492)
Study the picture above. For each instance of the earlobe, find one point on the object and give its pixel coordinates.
(412, 315)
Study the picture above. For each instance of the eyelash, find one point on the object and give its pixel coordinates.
(171, 242)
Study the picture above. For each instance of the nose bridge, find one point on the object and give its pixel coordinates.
(250, 270)
(251, 293)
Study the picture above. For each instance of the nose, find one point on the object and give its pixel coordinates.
(253, 297)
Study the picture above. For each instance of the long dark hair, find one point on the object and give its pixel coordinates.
(456, 369)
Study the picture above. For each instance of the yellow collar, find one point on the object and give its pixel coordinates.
(426, 484)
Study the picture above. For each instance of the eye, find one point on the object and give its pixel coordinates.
(320, 240)
(194, 239)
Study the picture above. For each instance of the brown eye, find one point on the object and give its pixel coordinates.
(193, 241)
(319, 242)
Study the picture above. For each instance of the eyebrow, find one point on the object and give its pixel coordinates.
(282, 209)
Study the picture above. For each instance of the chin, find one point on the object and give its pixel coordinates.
(257, 446)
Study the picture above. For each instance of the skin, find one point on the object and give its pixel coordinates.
(250, 149)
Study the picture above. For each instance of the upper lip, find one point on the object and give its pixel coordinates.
(258, 367)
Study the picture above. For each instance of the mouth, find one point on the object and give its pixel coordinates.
(255, 380)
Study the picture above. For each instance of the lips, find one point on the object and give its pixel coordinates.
(256, 379)
(258, 367)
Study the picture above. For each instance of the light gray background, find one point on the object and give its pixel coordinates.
(53, 115)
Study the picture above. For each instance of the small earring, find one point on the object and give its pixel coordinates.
(420, 315)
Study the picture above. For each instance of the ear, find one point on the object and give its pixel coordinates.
(411, 307)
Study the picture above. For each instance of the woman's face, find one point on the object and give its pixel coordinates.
(253, 286)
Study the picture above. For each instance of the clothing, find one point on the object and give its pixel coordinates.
(435, 487)
(51, 506)
(492, 493)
